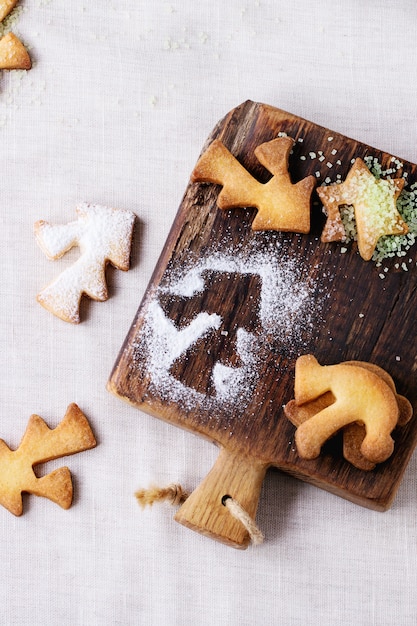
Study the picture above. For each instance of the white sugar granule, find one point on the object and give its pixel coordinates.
(284, 312)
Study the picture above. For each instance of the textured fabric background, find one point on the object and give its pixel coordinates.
(120, 100)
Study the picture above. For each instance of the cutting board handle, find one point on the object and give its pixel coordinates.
(204, 511)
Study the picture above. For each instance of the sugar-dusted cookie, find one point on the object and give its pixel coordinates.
(374, 202)
(41, 444)
(104, 235)
(13, 54)
(281, 205)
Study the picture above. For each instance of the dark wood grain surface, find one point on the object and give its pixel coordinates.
(350, 313)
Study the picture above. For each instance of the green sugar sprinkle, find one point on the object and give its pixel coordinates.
(388, 246)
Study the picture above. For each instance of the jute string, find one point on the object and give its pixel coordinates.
(175, 495)
(239, 513)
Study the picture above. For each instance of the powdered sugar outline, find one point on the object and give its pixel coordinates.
(284, 312)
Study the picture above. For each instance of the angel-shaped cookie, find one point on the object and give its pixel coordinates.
(40, 444)
(104, 235)
(281, 205)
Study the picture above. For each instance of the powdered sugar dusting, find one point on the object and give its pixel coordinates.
(168, 343)
(283, 295)
(284, 312)
(233, 383)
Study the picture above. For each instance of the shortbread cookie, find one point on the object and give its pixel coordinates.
(374, 202)
(280, 204)
(41, 444)
(104, 235)
(6, 7)
(354, 433)
(360, 395)
(13, 54)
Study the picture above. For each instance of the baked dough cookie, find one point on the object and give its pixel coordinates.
(6, 7)
(358, 397)
(104, 235)
(13, 54)
(41, 444)
(374, 202)
(281, 205)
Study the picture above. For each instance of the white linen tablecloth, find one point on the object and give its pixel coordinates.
(115, 110)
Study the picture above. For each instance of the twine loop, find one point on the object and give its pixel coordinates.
(176, 495)
(239, 513)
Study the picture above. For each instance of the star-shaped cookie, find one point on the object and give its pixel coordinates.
(374, 202)
(281, 205)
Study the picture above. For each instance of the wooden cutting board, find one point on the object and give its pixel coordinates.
(228, 310)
